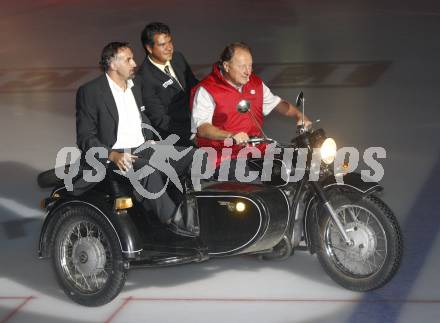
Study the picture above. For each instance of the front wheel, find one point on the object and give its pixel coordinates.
(87, 256)
(375, 253)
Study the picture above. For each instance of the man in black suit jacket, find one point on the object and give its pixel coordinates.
(167, 80)
(109, 115)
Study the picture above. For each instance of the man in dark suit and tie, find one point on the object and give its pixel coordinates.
(109, 115)
(167, 80)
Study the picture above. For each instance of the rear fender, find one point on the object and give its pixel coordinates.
(122, 224)
(351, 182)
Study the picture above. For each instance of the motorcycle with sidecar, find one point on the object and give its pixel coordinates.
(96, 238)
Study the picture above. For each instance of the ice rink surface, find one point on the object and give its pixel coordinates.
(370, 72)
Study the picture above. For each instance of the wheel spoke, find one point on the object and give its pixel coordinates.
(368, 219)
(371, 264)
(105, 274)
(344, 220)
(86, 282)
(353, 214)
(69, 241)
(77, 232)
(335, 229)
(96, 280)
(381, 257)
(338, 248)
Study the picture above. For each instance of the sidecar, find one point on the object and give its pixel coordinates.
(94, 239)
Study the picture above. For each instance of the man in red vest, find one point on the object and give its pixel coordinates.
(214, 113)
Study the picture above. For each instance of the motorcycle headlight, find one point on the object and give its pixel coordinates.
(328, 151)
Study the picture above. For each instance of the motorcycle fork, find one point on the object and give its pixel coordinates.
(323, 197)
(325, 201)
(293, 222)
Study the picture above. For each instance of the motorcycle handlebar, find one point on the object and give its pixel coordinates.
(256, 140)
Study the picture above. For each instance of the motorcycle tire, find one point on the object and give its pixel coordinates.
(87, 256)
(376, 253)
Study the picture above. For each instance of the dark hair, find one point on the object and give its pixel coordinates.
(229, 51)
(147, 35)
(109, 52)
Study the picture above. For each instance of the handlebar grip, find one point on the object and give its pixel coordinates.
(256, 140)
(252, 140)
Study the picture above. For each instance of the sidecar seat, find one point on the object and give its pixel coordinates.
(115, 185)
(119, 186)
(49, 179)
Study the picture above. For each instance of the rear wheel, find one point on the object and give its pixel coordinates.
(87, 256)
(375, 253)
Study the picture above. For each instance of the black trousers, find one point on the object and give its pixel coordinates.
(164, 206)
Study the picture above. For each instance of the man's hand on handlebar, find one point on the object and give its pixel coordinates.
(307, 123)
(240, 138)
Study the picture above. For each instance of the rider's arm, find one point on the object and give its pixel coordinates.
(203, 110)
(274, 102)
(289, 110)
(207, 130)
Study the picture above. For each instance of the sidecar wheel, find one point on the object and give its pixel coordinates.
(375, 255)
(87, 256)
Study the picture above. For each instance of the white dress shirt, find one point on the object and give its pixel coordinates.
(129, 127)
(204, 106)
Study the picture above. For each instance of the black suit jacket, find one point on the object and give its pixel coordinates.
(167, 106)
(97, 122)
(97, 115)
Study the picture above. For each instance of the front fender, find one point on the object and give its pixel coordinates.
(352, 181)
(122, 224)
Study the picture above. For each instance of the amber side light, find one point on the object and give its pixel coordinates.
(122, 203)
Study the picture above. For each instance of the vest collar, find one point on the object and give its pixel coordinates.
(219, 75)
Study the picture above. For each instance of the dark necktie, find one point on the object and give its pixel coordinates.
(168, 72)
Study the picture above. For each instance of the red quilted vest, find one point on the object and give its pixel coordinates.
(226, 116)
